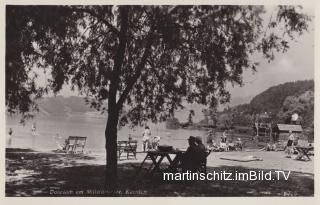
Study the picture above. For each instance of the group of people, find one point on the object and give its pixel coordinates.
(191, 160)
(224, 145)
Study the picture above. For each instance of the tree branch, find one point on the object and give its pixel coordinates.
(118, 59)
(140, 66)
(100, 18)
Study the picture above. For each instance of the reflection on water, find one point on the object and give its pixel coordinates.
(49, 127)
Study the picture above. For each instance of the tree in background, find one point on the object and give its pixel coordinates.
(210, 116)
(144, 59)
(303, 105)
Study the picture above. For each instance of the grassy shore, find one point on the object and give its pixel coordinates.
(30, 173)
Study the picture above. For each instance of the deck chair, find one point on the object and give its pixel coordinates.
(131, 149)
(76, 144)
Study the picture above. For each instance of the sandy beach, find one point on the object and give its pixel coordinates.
(31, 173)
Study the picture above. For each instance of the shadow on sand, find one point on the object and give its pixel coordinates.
(48, 174)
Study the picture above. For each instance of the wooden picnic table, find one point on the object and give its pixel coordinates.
(304, 151)
(157, 158)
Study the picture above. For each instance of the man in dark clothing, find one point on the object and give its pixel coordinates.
(194, 155)
(189, 161)
(201, 150)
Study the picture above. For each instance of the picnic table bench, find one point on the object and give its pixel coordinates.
(157, 158)
(127, 147)
(304, 151)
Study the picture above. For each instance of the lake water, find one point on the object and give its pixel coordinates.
(80, 125)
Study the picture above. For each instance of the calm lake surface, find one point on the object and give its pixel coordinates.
(81, 125)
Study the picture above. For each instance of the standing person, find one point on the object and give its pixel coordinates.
(146, 134)
(289, 148)
(223, 142)
(129, 138)
(10, 137)
(295, 140)
(224, 137)
(33, 133)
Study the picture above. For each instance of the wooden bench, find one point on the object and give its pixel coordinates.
(75, 144)
(127, 147)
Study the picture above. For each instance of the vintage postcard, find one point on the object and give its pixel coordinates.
(178, 100)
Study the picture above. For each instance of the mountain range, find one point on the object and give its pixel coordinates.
(271, 100)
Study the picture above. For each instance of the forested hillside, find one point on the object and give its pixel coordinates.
(272, 99)
(280, 102)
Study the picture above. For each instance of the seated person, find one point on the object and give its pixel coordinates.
(192, 158)
(231, 146)
(213, 146)
(238, 144)
(200, 144)
(223, 147)
(210, 137)
(223, 142)
(271, 147)
(155, 142)
(66, 145)
(202, 149)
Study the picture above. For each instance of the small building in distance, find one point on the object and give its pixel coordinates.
(281, 131)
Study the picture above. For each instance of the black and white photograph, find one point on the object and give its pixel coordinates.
(206, 100)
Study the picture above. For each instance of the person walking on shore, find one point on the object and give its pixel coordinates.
(33, 133)
(10, 137)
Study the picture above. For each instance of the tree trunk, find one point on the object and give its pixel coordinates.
(111, 149)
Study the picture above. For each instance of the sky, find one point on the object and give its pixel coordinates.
(296, 64)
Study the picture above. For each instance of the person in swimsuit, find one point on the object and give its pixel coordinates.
(289, 148)
(146, 134)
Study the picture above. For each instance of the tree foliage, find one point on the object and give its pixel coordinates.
(195, 50)
(303, 105)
